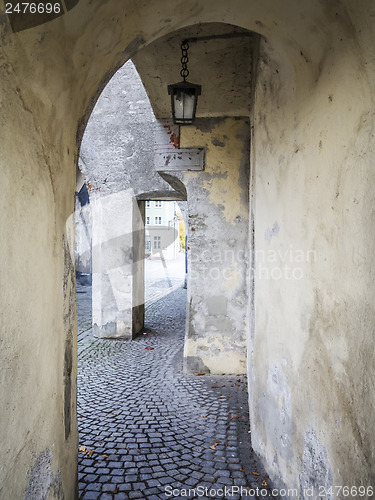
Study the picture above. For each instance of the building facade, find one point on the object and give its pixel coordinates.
(162, 223)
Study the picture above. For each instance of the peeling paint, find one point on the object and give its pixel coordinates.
(315, 471)
(43, 483)
(221, 182)
(270, 233)
(174, 139)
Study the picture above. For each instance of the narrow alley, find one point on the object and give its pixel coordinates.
(148, 431)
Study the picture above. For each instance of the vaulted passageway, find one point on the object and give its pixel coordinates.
(311, 123)
(139, 157)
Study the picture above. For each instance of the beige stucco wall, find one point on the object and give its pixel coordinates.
(311, 367)
(37, 297)
(311, 375)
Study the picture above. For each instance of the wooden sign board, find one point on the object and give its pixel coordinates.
(169, 157)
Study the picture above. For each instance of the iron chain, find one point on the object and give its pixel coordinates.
(184, 60)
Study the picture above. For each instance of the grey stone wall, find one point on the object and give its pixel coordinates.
(117, 150)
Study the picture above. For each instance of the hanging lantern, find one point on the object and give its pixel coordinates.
(184, 95)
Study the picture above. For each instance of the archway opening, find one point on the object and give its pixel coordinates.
(216, 185)
(165, 248)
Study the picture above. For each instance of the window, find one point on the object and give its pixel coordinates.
(157, 220)
(157, 204)
(148, 203)
(147, 220)
(157, 243)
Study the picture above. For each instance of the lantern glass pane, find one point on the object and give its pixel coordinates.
(184, 102)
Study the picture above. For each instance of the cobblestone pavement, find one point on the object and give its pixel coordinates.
(84, 312)
(145, 428)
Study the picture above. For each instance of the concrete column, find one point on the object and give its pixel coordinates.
(118, 266)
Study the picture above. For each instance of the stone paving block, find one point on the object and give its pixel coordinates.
(102, 470)
(195, 467)
(117, 472)
(121, 496)
(104, 479)
(132, 470)
(237, 474)
(89, 470)
(106, 496)
(91, 495)
(94, 487)
(117, 479)
(145, 470)
(145, 477)
(115, 465)
(139, 486)
(90, 478)
(223, 473)
(169, 466)
(109, 487)
(197, 475)
(135, 494)
(158, 475)
(240, 481)
(191, 481)
(131, 478)
(153, 482)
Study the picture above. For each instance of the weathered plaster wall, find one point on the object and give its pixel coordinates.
(218, 252)
(117, 149)
(311, 366)
(37, 295)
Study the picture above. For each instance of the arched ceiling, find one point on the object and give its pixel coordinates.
(220, 60)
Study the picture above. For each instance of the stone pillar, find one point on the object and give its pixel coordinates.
(211, 161)
(118, 266)
(218, 247)
(83, 236)
(138, 291)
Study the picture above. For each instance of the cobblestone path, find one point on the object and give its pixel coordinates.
(146, 429)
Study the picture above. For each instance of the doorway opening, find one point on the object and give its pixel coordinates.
(165, 248)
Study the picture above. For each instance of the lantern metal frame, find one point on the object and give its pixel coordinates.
(184, 88)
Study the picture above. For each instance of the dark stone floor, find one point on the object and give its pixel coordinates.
(146, 430)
